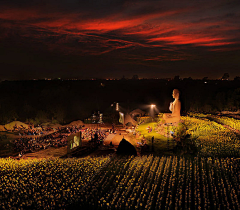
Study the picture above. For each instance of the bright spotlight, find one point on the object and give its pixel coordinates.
(153, 105)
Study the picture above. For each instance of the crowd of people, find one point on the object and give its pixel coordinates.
(30, 130)
(26, 144)
(31, 141)
(149, 128)
(90, 134)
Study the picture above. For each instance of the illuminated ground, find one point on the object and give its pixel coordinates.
(161, 144)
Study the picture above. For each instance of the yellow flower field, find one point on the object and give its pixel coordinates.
(145, 182)
(212, 138)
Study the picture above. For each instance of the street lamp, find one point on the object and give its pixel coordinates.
(153, 106)
(152, 110)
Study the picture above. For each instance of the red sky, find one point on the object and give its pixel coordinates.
(109, 39)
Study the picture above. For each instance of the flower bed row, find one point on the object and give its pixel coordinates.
(212, 138)
(145, 182)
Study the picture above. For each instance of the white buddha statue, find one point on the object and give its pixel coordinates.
(175, 108)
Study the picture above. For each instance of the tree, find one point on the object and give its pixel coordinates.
(220, 101)
(237, 78)
(205, 78)
(41, 117)
(176, 78)
(59, 114)
(135, 77)
(225, 76)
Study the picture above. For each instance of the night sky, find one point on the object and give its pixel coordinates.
(111, 38)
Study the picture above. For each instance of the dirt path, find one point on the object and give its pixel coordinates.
(47, 153)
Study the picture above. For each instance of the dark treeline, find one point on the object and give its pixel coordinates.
(64, 101)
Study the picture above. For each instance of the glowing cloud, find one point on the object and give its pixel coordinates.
(137, 32)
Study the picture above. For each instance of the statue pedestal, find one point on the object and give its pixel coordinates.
(170, 133)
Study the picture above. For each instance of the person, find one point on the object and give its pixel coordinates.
(175, 108)
(152, 143)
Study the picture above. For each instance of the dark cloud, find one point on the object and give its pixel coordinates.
(108, 38)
